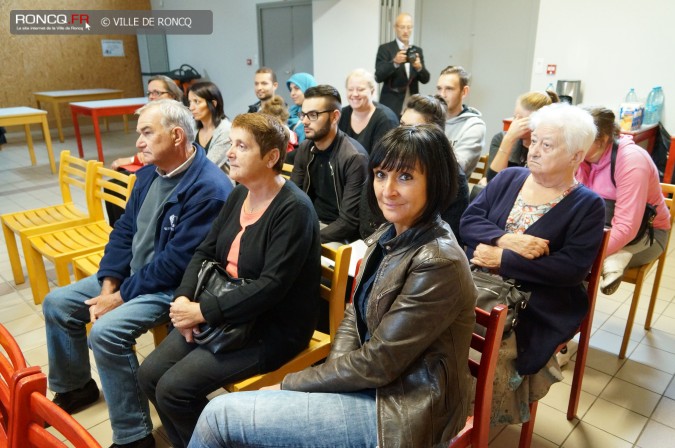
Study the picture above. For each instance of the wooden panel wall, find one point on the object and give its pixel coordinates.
(57, 62)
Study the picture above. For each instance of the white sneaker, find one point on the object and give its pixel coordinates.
(612, 271)
(610, 283)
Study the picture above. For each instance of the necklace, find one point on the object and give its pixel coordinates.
(261, 206)
(251, 210)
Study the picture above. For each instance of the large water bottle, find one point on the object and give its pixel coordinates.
(654, 106)
(631, 96)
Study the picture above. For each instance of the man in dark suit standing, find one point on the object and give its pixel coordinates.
(400, 66)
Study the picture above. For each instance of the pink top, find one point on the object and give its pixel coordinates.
(637, 182)
(245, 220)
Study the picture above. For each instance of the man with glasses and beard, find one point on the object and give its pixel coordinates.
(330, 166)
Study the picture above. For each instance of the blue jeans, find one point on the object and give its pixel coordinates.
(287, 418)
(111, 340)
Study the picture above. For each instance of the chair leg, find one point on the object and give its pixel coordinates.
(79, 275)
(655, 292)
(13, 253)
(577, 379)
(39, 284)
(631, 314)
(62, 272)
(159, 333)
(528, 427)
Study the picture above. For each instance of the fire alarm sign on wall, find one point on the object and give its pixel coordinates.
(550, 69)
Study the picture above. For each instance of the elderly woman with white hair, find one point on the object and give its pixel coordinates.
(540, 226)
(365, 120)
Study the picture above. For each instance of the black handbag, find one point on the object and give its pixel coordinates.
(214, 282)
(647, 223)
(494, 290)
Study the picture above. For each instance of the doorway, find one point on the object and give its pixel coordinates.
(285, 36)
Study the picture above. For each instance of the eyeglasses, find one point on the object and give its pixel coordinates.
(312, 115)
(404, 27)
(155, 93)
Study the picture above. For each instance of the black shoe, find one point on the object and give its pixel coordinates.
(77, 399)
(146, 442)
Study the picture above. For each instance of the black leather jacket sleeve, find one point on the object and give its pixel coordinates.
(425, 300)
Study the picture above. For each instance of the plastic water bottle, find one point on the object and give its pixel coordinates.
(654, 106)
(631, 96)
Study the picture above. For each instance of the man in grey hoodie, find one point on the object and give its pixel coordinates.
(464, 126)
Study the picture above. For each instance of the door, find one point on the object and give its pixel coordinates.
(153, 55)
(285, 36)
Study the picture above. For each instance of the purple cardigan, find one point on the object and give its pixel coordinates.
(559, 301)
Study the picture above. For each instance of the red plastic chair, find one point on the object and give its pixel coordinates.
(582, 352)
(31, 409)
(476, 432)
(12, 368)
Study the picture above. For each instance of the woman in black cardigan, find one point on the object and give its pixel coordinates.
(255, 237)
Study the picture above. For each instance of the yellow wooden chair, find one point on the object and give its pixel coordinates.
(480, 171)
(61, 246)
(286, 170)
(86, 265)
(73, 173)
(637, 276)
(320, 345)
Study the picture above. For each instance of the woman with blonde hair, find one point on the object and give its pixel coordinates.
(509, 148)
(363, 119)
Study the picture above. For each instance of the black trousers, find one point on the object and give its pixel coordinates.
(177, 377)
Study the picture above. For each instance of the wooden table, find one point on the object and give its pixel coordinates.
(15, 116)
(105, 108)
(56, 97)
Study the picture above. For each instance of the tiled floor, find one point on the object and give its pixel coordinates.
(628, 403)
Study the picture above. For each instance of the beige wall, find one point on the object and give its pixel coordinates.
(611, 46)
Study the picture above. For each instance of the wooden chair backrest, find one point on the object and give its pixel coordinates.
(336, 276)
(31, 409)
(484, 369)
(103, 180)
(480, 171)
(286, 170)
(596, 270)
(670, 162)
(669, 197)
(476, 432)
(73, 173)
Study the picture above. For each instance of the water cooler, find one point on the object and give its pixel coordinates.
(569, 91)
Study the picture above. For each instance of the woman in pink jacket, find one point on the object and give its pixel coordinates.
(635, 183)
